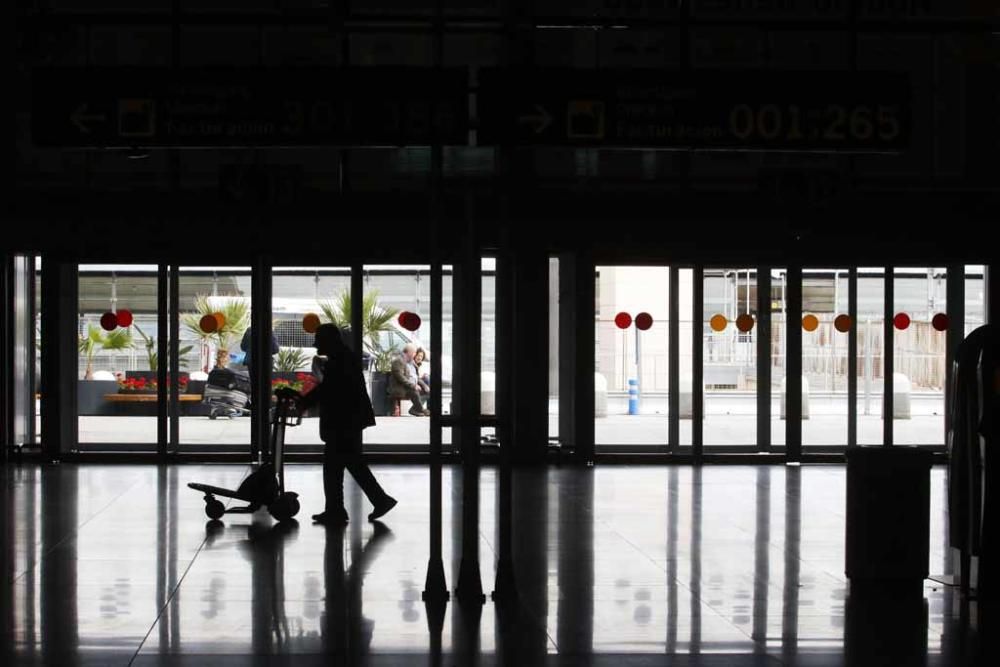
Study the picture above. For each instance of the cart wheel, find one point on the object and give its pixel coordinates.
(211, 415)
(285, 507)
(214, 508)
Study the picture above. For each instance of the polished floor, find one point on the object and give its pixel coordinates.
(719, 565)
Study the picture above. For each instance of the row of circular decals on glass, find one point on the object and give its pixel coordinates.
(407, 320)
(411, 321)
(810, 322)
(213, 322)
(111, 321)
(745, 322)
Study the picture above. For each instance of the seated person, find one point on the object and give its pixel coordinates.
(423, 377)
(402, 382)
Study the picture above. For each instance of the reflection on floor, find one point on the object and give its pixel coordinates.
(740, 565)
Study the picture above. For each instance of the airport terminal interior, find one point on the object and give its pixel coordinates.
(641, 332)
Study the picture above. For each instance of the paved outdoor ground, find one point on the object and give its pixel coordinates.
(728, 421)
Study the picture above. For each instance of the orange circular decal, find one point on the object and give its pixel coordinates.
(220, 320)
(718, 322)
(810, 322)
(310, 323)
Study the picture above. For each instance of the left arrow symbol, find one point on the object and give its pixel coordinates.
(80, 118)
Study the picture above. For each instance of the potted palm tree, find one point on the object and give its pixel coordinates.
(375, 320)
(152, 359)
(380, 380)
(90, 392)
(237, 318)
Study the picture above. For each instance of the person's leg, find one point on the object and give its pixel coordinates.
(414, 397)
(333, 481)
(363, 475)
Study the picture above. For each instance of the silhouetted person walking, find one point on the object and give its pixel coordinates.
(246, 344)
(344, 411)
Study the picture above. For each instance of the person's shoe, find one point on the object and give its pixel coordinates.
(382, 508)
(331, 518)
(416, 412)
(426, 413)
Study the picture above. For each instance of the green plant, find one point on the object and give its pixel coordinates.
(237, 315)
(375, 318)
(96, 339)
(290, 359)
(152, 357)
(383, 359)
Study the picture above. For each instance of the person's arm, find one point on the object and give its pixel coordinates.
(314, 395)
(311, 398)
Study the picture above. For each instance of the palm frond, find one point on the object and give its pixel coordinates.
(119, 339)
(375, 318)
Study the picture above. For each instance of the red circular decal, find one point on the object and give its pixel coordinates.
(409, 321)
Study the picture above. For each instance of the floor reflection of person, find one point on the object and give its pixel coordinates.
(265, 549)
(345, 630)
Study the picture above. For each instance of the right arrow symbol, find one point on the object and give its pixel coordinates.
(80, 118)
(538, 121)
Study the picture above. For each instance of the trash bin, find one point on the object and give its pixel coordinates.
(888, 517)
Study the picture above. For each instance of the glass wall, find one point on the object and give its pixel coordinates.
(975, 297)
(396, 313)
(118, 327)
(919, 345)
(117, 320)
(215, 310)
(779, 338)
(553, 376)
(295, 293)
(488, 342)
(36, 378)
(730, 356)
(824, 356)
(632, 363)
(871, 347)
(686, 333)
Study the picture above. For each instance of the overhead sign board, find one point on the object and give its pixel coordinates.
(725, 110)
(115, 107)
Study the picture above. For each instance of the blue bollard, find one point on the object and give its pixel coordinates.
(633, 396)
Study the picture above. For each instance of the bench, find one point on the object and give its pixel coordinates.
(147, 398)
